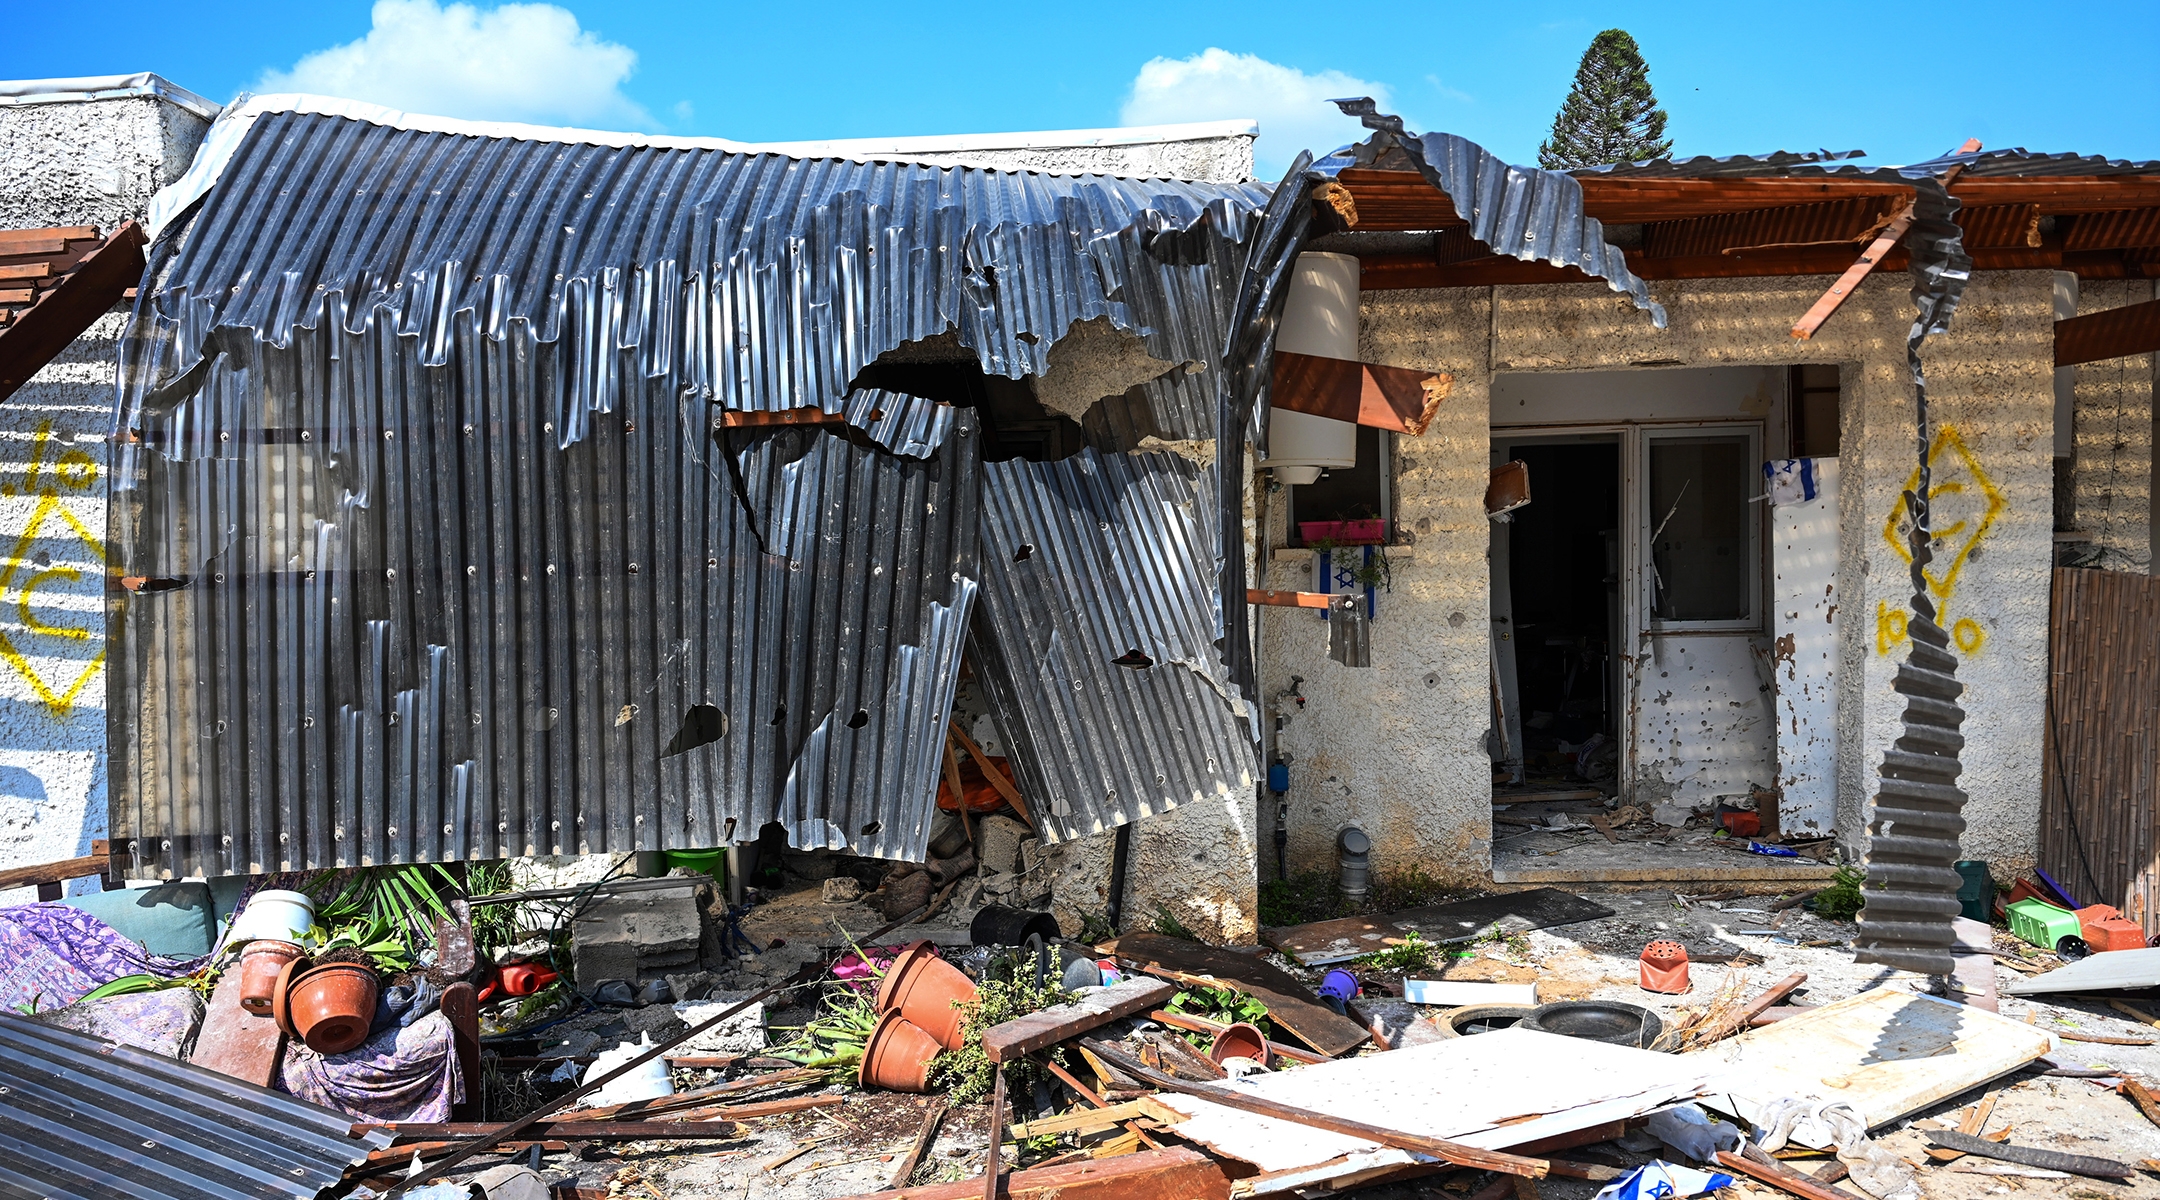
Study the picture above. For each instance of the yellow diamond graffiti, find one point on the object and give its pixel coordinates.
(47, 614)
(1963, 504)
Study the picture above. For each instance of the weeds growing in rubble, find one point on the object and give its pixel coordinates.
(1312, 896)
(968, 1071)
(1840, 901)
(1167, 925)
(1413, 953)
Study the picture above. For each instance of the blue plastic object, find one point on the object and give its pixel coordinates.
(1772, 851)
(1337, 989)
(1278, 777)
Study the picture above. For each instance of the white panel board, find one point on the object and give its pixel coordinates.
(1804, 608)
(1704, 720)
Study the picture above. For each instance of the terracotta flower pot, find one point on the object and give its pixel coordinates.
(260, 963)
(925, 988)
(281, 991)
(1242, 1040)
(332, 1006)
(897, 1056)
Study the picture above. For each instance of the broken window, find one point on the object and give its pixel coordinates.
(1703, 556)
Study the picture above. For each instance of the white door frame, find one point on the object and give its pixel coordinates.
(1633, 440)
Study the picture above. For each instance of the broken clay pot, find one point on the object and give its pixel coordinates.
(260, 965)
(332, 1006)
(897, 1056)
(928, 991)
(1242, 1040)
(1664, 968)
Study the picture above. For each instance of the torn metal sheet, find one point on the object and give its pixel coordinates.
(1472, 1090)
(83, 1118)
(658, 638)
(1097, 639)
(438, 549)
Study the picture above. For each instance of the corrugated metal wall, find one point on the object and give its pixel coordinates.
(437, 550)
(1088, 561)
(2103, 741)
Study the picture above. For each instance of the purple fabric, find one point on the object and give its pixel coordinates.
(52, 955)
(404, 1073)
(162, 1022)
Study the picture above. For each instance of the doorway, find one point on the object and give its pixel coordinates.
(1632, 653)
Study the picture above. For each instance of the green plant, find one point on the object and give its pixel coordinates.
(1411, 954)
(1095, 928)
(1408, 887)
(1168, 925)
(1301, 898)
(1220, 1005)
(494, 926)
(387, 913)
(834, 1039)
(968, 1072)
(1841, 901)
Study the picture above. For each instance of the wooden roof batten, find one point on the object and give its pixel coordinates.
(53, 284)
(2100, 227)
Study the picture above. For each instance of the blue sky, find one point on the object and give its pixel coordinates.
(1736, 77)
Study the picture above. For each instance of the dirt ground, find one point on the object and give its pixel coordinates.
(854, 1147)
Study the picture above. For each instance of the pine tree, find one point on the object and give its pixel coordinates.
(1610, 115)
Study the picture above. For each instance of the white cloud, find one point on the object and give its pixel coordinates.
(518, 62)
(1291, 106)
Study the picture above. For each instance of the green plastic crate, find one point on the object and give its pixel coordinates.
(2043, 924)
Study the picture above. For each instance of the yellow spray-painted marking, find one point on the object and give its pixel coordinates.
(1958, 488)
(78, 471)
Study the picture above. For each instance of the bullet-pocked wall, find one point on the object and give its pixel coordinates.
(2112, 446)
(1399, 749)
(66, 162)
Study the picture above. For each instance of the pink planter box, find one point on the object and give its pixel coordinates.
(1344, 533)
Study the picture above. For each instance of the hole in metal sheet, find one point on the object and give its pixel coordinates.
(872, 828)
(780, 715)
(703, 725)
(1132, 658)
(860, 719)
(1025, 552)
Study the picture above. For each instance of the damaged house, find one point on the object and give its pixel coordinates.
(483, 491)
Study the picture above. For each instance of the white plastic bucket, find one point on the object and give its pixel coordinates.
(648, 1082)
(286, 916)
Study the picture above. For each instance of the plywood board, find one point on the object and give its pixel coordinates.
(1474, 1090)
(1804, 562)
(1322, 942)
(1290, 1003)
(1885, 1052)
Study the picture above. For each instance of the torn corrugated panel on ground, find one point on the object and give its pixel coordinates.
(82, 1117)
(1097, 638)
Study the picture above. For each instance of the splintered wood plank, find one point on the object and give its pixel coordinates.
(1290, 1003)
(236, 1042)
(1053, 1025)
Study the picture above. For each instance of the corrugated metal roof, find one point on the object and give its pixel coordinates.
(1086, 562)
(443, 550)
(1522, 212)
(81, 1118)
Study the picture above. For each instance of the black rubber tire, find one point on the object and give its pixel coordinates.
(1479, 1018)
(1598, 1021)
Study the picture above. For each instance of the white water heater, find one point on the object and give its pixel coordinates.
(1320, 318)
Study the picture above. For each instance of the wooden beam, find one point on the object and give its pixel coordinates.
(1289, 599)
(1176, 1173)
(998, 782)
(1849, 282)
(1016, 1037)
(1393, 398)
(739, 419)
(59, 872)
(1782, 1178)
(568, 1131)
(44, 241)
(39, 333)
(2110, 333)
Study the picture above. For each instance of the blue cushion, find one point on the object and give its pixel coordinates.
(175, 919)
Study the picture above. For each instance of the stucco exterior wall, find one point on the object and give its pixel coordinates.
(95, 163)
(2112, 444)
(1399, 748)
